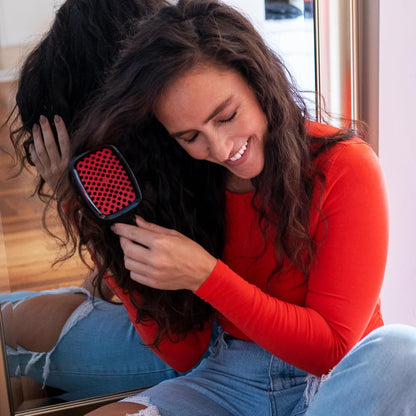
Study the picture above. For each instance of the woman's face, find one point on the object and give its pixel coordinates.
(214, 115)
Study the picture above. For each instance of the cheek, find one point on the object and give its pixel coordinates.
(262, 124)
(255, 125)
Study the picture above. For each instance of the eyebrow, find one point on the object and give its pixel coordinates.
(216, 111)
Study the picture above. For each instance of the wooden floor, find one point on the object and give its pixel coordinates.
(26, 250)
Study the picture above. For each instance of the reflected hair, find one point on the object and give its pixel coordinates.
(65, 68)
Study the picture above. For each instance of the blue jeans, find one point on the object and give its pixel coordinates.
(98, 352)
(376, 378)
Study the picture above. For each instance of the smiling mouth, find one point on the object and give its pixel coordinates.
(240, 153)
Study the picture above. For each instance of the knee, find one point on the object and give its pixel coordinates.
(378, 376)
(396, 339)
(393, 346)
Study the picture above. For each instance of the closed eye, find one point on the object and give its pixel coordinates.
(192, 139)
(228, 119)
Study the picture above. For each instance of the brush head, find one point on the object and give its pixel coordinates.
(107, 184)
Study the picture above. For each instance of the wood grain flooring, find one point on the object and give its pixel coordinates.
(27, 252)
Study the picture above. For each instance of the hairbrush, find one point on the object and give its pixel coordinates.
(106, 183)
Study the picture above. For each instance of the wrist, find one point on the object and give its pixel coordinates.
(210, 266)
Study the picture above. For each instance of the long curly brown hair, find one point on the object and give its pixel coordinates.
(183, 193)
(66, 67)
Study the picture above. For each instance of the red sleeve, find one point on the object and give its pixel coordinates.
(180, 355)
(344, 282)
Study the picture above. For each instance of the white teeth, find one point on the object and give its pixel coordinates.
(239, 153)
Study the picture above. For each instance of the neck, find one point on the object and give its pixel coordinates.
(238, 185)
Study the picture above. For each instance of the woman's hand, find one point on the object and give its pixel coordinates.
(50, 161)
(162, 258)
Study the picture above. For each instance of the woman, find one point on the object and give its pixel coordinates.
(289, 255)
(56, 81)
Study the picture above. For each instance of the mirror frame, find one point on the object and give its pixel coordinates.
(346, 73)
(347, 61)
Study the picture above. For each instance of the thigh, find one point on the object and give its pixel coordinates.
(38, 321)
(15, 298)
(34, 320)
(238, 378)
(183, 398)
(101, 352)
(98, 352)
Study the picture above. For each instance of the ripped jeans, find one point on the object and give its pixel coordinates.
(237, 378)
(98, 351)
(376, 378)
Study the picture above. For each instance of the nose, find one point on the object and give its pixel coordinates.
(220, 147)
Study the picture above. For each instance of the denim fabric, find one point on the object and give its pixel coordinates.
(376, 378)
(238, 378)
(98, 352)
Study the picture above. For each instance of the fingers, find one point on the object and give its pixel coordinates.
(50, 158)
(63, 139)
(132, 233)
(34, 157)
(154, 228)
(138, 260)
(44, 141)
(169, 259)
(145, 233)
(38, 151)
(138, 247)
(49, 143)
(132, 250)
(141, 272)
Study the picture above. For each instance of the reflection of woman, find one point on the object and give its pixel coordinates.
(294, 281)
(64, 338)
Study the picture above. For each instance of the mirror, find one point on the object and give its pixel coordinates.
(320, 61)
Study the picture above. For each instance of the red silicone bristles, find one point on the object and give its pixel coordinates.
(106, 181)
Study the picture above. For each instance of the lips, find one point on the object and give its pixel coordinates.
(239, 153)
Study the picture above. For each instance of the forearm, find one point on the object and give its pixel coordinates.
(315, 330)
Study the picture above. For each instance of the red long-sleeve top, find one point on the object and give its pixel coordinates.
(312, 324)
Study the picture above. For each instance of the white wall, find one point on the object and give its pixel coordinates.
(397, 150)
(253, 8)
(23, 21)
